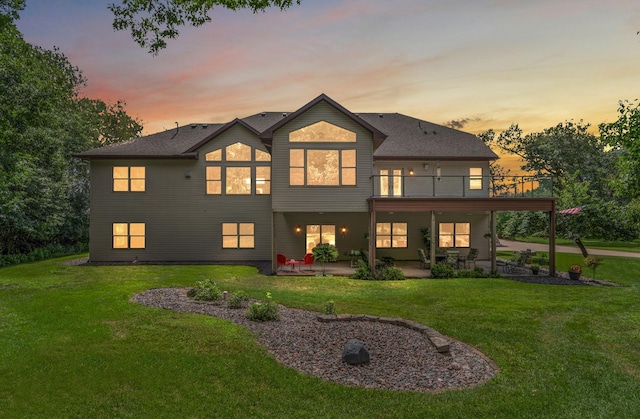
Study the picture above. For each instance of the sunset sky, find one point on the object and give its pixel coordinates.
(481, 63)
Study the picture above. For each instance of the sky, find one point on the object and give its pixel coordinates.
(473, 64)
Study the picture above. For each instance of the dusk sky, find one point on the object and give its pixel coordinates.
(482, 63)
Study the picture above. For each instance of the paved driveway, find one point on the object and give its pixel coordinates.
(518, 246)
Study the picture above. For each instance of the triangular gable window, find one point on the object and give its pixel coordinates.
(238, 152)
(215, 155)
(322, 132)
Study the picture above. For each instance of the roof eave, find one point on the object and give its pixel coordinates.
(183, 156)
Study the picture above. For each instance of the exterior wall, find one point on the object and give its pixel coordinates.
(288, 198)
(182, 222)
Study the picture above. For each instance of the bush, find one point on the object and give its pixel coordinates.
(265, 310)
(47, 252)
(442, 270)
(237, 300)
(386, 273)
(329, 307)
(206, 290)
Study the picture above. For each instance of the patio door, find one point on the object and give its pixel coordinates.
(318, 234)
(391, 182)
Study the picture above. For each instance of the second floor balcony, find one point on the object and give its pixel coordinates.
(408, 186)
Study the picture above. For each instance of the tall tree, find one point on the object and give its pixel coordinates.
(43, 122)
(624, 136)
(152, 22)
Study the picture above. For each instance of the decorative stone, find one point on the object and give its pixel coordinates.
(355, 353)
(440, 343)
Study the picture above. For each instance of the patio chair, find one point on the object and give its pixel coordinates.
(282, 261)
(307, 261)
(453, 257)
(424, 262)
(469, 258)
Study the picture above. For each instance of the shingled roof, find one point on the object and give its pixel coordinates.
(396, 136)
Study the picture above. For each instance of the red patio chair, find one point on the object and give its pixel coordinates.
(307, 261)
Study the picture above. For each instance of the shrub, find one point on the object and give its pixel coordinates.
(363, 271)
(386, 273)
(330, 307)
(392, 273)
(442, 270)
(237, 299)
(206, 290)
(265, 310)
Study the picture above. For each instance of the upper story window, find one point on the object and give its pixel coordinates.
(240, 170)
(475, 178)
(390, 182)
(322, 167)
(128, 178)
(322, 132)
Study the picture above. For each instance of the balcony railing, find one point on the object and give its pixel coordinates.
(461, 186)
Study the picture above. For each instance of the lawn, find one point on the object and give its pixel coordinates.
(73, 345)
(621, 246)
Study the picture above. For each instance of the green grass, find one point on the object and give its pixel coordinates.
(73, 345)
(622, 246)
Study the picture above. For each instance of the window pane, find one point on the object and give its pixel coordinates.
(399, 241)
(463, 228)
(446, 228)
(383, 241)
(446, 241)
(246, 242)
(214, 187)
(349, 176)
(312, 237)
(120, 242)
(322, 167)
(120, 172)
(296, 158)
(348, 158)
(137, 172)
(137, 242)
(136, 229)
(263, 180)
(120, 229)
(400, 229)
(329, 234)
(296, 176)
(137, 185)
(322, 132)
(215, 155)
(238, 152)
(230, 242)
(229, 229)
(397, 183)
(383, 228)
(121, 185)
(238, 180)
(246, 229)
(213, 173)
(462, 240)
(262, 155)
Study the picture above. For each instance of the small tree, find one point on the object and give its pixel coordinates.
(593, 262)
(324, 253)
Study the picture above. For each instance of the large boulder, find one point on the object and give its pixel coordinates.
(355, 353)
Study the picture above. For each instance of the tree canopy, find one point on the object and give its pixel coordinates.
(153, 22)
(43, 122)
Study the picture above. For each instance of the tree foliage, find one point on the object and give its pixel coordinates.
(153, 22)
(43, 122)
(583, 166)
(624, 136)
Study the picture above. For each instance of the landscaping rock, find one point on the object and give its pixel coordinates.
(355, 353)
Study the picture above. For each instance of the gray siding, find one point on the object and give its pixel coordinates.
(182, 222)
(288, 198)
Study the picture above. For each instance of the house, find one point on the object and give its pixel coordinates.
(280, 182)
